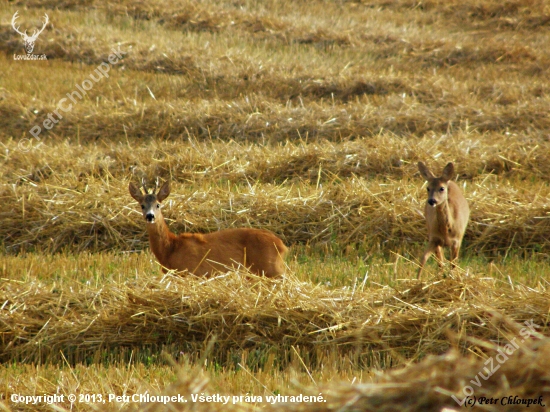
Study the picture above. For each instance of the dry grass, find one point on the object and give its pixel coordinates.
(291, 336)
(355, 192)
(429, 384)
(409, 322)
(423, 386)
(344, 70)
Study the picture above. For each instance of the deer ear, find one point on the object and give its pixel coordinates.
(424, 171)
(135, 192)
(448, 172)
(164, 191)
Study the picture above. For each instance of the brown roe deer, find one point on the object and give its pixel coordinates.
(202, 254)
(446, 213)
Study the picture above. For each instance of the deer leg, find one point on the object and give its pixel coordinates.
(439, 255)
(425, 257)
(455, 248)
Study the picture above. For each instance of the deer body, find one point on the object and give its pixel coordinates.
(202, 254)
(447, 213)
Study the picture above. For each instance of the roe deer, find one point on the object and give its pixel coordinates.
(446, 213)
(202, 254)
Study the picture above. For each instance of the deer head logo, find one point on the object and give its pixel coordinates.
(29, 40)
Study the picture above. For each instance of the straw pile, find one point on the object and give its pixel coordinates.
(329, 78)
(184, 312)
(351, 192)
(438, 335)
(428, 386)
(259, 118)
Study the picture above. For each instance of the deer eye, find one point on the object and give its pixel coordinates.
(428, 189)
(142, 207)
(441, 189)
(158, 205)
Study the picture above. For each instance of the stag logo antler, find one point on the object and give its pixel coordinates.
(29, 40)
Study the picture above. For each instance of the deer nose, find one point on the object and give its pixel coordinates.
(432, 202)
(150, 217)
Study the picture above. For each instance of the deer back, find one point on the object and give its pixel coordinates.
(458, 208)
(259, 250)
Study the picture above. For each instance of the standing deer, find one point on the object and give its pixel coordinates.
(29, 40)
(446, 213)
(201, 254)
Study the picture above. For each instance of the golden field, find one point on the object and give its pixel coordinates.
(304, 118)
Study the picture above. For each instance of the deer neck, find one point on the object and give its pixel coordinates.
(444, 216)
(160, 239)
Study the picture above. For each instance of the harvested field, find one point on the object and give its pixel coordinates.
(304, 118)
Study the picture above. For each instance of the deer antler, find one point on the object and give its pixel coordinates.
(36, 33)
(14, 18)
(156, 184)
(144, 186)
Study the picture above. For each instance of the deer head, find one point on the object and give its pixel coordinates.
(29, 40)
(437, 186)
(150, 201)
